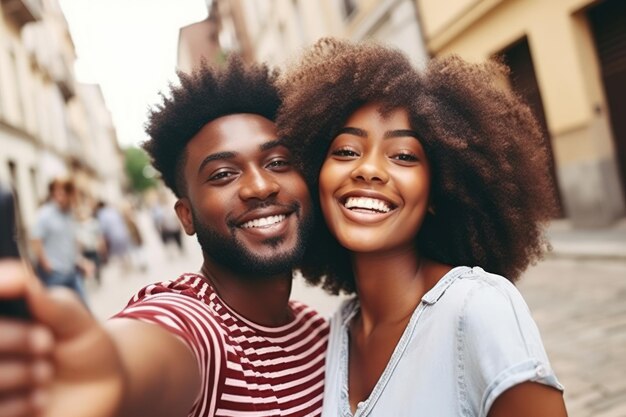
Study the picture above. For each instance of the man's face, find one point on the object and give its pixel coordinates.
(62, 195)
(247, 204)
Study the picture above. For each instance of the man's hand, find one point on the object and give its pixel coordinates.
(60, 364)
(86, 267)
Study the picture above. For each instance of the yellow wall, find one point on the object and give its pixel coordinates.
(561, 47)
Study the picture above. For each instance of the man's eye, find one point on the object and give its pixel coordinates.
(279, 163)
(221, 175)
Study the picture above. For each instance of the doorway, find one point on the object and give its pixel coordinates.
(608, 24)
(524, 83)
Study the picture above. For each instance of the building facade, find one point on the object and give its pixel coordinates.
(279, 29)
(568, 59)
(46, 126)
(276, 31)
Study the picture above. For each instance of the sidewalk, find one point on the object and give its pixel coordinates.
(581, 244)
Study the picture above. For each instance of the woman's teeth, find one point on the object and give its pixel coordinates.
(367, 203)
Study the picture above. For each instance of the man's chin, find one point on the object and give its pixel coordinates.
(256, 261)
(259, 267)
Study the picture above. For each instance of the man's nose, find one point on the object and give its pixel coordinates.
(258, 184)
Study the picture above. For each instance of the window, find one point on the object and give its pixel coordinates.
(34, 183)
(12, 173)
(349, 6)
(523, 81)
(18, 86)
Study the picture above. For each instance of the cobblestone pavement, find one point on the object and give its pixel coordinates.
(579, 306)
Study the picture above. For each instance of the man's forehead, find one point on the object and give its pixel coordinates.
(243, 120)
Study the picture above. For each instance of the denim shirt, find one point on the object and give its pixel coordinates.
(470, 339)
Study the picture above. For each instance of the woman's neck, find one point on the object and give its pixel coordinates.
(390, 285)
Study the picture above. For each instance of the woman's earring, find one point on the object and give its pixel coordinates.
(431, 210)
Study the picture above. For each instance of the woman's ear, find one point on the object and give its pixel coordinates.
(183, 211)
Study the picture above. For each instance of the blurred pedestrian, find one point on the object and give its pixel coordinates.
(55, 248)
(91, 240)
(135, 250)
(167, 224)
(115, 232)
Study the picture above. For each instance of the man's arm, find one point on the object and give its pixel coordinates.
(163, 378)
(40, 255)
(126, 368)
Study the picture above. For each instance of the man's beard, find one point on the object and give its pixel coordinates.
(227, 251)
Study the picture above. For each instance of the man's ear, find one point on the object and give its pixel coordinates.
(183, 211)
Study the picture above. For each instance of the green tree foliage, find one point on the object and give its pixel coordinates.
(141, 174)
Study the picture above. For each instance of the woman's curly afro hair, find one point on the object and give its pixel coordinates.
(203, 96)
(491, 190)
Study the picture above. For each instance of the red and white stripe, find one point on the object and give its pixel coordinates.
(248, 370)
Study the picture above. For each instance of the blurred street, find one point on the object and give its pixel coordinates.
(580, 307)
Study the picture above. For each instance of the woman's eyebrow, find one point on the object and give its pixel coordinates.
(400, 133)
(389, 134)
(352, 131)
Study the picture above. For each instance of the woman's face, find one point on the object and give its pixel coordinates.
(375, 182)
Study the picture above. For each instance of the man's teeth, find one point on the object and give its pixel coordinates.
(264, 221)
(367, 204)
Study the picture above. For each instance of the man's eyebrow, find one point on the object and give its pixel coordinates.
(400, 133)
(216, 157)
(272, 144)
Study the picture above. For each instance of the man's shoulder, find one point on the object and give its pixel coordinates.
(306, 316)
(187, 285)
(185, 306)
(47, 210)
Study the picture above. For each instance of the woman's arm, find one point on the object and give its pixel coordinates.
(529, 399)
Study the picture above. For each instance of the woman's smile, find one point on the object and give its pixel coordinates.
(375, 181)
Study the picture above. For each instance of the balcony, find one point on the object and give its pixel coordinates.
(62, 76)
(22, 11)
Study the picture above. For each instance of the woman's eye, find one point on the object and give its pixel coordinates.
(406, 157)
(344, 153)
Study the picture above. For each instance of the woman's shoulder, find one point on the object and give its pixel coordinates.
(474, 298)
(488, 307)
(473, 285)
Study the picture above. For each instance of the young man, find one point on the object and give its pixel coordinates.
(221, 341)
(54, 239)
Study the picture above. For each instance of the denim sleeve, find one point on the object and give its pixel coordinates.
(499, 345)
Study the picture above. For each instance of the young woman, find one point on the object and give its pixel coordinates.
(426, 182)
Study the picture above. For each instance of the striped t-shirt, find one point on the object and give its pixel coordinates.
(246, 369)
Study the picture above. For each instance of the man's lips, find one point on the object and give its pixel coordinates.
(264, 221)
(264, 217)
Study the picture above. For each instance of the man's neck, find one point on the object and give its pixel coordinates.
(262, 300)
